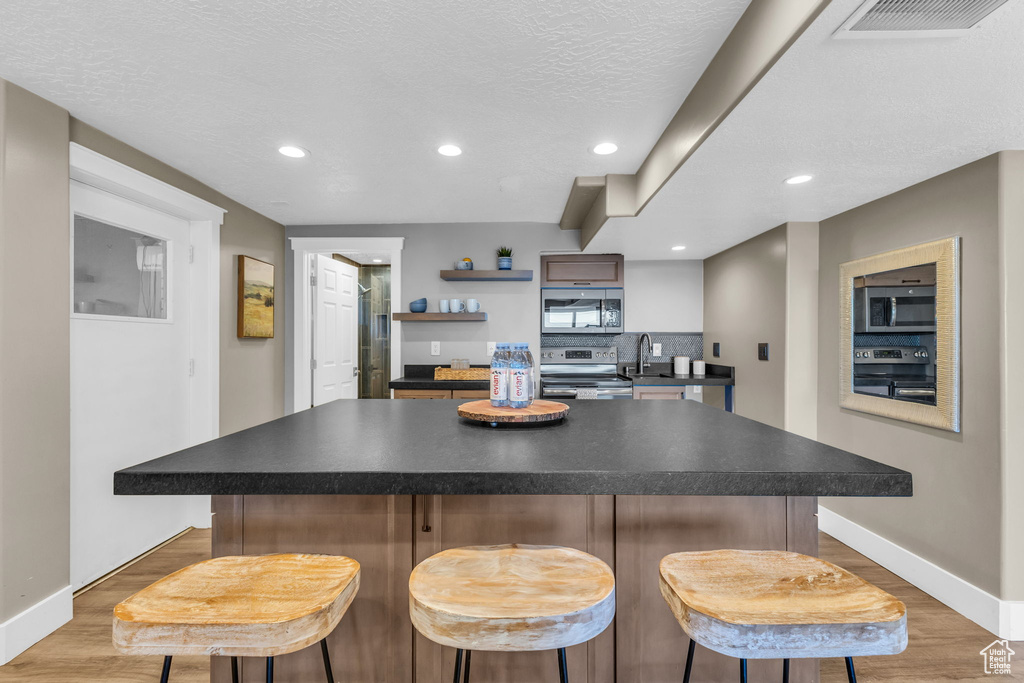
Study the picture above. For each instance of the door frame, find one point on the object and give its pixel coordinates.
(93, 169)
(299, 344)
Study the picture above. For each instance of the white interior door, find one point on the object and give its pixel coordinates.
(335, 331)
(130, 368)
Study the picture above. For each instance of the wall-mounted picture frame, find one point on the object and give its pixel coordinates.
(900, 314)
(255, 298)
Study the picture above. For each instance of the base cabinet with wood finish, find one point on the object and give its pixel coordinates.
(441, 393)
(388, 535)
(658, 393)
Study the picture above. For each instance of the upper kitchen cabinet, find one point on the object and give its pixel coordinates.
(581, 270)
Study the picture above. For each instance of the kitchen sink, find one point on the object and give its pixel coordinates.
(645, 375)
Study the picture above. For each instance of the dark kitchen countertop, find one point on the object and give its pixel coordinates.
(422, 377)
(603, 447)
(716, 376)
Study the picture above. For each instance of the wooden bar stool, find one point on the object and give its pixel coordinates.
(767, 604)
(242, 606)
(511, 598)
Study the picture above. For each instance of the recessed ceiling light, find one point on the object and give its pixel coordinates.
(293, 151)
(378, 260)
(797, 179)
(606, 148)
(678, 248)
(449, 150)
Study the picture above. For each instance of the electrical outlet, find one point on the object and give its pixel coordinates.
(762, 351)
(490, 348)
(435, 348)
(655, 349)
(716, 349)
(696, 389)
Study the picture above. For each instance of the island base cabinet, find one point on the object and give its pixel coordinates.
(651, 646)
(582, 522)
(388, 535)
(372, 642)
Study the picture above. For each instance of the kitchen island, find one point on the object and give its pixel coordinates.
(390, 483)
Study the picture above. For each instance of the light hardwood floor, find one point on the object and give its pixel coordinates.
(944, 646)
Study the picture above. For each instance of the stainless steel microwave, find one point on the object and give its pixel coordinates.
(581, 310)
(894, 309)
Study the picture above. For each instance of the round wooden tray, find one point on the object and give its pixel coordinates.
(539, 411)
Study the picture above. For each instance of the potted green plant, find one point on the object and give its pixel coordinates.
(504, 258)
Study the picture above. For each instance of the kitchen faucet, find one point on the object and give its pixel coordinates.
(640, 365)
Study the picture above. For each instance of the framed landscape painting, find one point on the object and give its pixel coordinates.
(255, 298)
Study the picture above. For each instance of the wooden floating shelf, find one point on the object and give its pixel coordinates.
(440, 317)
(487, 275)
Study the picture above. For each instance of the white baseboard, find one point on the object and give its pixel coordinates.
(24, 630)
(1003, 618)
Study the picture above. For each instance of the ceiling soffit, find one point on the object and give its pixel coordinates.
(761, 36)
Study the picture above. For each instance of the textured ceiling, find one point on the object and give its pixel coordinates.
(525, 87)
(866, 118)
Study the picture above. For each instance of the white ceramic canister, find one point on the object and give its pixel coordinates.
(681, 365)
(699, 368)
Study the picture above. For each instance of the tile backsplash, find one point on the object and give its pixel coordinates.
(672, 344)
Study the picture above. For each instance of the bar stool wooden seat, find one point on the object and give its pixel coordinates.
(511, 598)
(239, 606)
(779, 605)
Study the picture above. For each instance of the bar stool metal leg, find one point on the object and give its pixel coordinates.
(689, 661)
(785, 671)
(327, 661)
(458, 665)
(465, 678)
(270, 670)
(743, 671)
(850, 673)
(166, 673)
(234, 670)
(563, 669)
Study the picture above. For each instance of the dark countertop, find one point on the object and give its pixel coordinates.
(422, 377)
(716, 376)
(427, 383)
(603, 447)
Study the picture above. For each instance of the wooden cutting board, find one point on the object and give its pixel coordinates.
(538, 411)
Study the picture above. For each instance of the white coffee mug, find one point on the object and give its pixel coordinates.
(472, 305)
(443, 305)
(457, 305)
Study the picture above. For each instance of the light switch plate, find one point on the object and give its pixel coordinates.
(490, 348)
(435, 348)
(762, 351)
(716, 349)
(655, 349)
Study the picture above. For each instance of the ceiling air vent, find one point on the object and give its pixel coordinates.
(916, 18)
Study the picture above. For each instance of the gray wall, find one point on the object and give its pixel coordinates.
(664, 296)
(251, 370)
(512, 307)
(745, 303)
(35, 333)
(954, 517)
(35, 281)
(1011, 255)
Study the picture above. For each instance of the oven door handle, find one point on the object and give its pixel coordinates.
(906, 391)
(559, 391)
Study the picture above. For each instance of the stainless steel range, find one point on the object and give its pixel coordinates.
(903, 373)
(582, 372)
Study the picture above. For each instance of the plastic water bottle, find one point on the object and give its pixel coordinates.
(499, 375)
(533, 373)
(519, 378)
